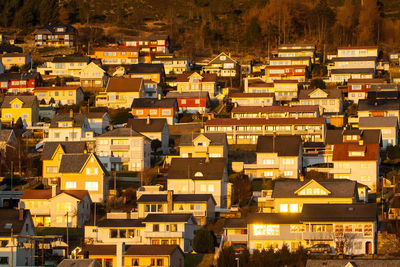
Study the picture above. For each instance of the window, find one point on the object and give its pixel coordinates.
(153, 112)
(156, 228)
(294, 208)
(283, 208)
(4, 260)
(91, 171)
(52, 169)
(135, 262)
(269, 229)
(210, 188)
(203, 188)
(297, 228)
(268, 173)
(358, 228)
(368, 230)
(288, 173)
(173, 228)
(288, 161)
(92, 186)
(348, 228)
(166, 112)
(183, 101)
(70, 185)
(139, 112)
(16, 105)
(197, 101)
(338, 229)
(113, 233)
(268, 161)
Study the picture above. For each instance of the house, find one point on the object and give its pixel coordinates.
(172, 65)
(79, 263)
(53, 208)
(15, 226)
(46, 111)
(235, 232)
(201, 176)
(135, 255)
(384, 91)
(56, 35)
(297, 51)
(343, 75)
(152, 89)
(25, 107)
(116, 55)
(154, 44)
(84, 171)
(15, 60)
(51, 158)
(277, 156)
(16, 83)
(148, 71)
(275, 112)
(99, 122)
(387, 125)
(252, 99)
(120, 93)
(166, 108)
(258, 86)
(328, 100)
(357, 51)
(222, 65)
(379, 108)
(202, 206)
(61, 95)
(247, 130)
(191, 102)
(65, 66)
(358, 88)
(195, 82)
(93, 75)
(286, 61)
(123, 149)
(199, 145)
(286, 90)
(70, 127)
(289, 72)
(354, 63)
(154, 129)
(8, 147)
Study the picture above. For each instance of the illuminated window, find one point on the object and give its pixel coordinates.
(297, 228)
(70, 185)
(294, 208)
(283, 208)
(348, 228)
(368, 230)
(269, 229)
(92, 186)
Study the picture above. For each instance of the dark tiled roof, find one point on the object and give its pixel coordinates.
(365, 81)
(176, 198)
(36, 194)
(79, 263)
(107, 250)
(339, 212)
(152, 198)
(69, 147)
(11, 216)
(340, 188)
(10, 49)
(140, 125)
(217, 59)
(357, 47)
(71, 59)
(121, 132)
(384, 86)
(216, 139)
(341, 152)
(124, 85)
(237, 95)
(332, 93)
(334, 137)
(378, 104)
(197, 168)
(168, 217)
(289, 58)
(152, 37)
(284, 145)
(146, 68)
(121, 223)
(154, 103)
(52, 29)
(73, 163)
(286, 81)
(262, 121)
(78, 119)
(235, 223)
(5, 135)
(19, 76)
(273, 218)
(198, 94)
(207, 77)
(355, 71)
(28, 101)
(353, 262)
(161, 250)
(377, 122)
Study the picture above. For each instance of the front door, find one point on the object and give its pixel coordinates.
(368, 248)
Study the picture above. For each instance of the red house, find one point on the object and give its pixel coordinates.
(16, 83)
(151, 44)
(286, 72)
(358, 88)
(191, 102)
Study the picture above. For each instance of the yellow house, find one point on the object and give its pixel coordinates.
(93, 76)
(116, 55)
(51, 157)
(252, 99)
(62, 95)
(193, 82)
(120, 93)
(328, 100)
(15, 59)
(198, 145)
(84, 171)
(24, 107)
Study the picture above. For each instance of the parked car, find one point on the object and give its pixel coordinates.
(319, 248)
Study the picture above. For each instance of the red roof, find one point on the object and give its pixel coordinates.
(46, 193)
(207, 77)
(251, 109)
(341, 152)
(251, 95)
(262, 121)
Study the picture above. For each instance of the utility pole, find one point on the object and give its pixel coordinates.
(11, 247)
(67, 238)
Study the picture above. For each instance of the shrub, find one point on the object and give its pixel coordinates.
(203, 241)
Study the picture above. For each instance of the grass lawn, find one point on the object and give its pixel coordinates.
(198, 260)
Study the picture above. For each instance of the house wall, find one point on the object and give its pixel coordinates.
(64, 97)
(156, 113)
(364, 172)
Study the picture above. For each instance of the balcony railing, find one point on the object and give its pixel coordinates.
(237, 238)
(148, 234)
(318, 235)
(196, 213)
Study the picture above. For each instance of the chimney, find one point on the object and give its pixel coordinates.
(21, 215)
(71, 113)
(207, 157)
(53, 190)
(148, 120)
(169, 200)
(301, 178)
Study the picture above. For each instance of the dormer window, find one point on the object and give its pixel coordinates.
(17, 105)
(198, 174)
(312, 192)
(65, 124)
(60, 29)
(200, 144)
(356, 153)
(222, 57)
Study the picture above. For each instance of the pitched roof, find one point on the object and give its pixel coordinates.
(96, 115)
(378, 104)
(68, 59)
(36, 194)
(365, 81)
(154, 103)
(289, 58)
(339, 212)
(286, 81)
(117, 49)
(79, 194)
(77, 120)
(69, 147)
(354, 58)
(353, 71)
(198, 94)
(11, 216)
(262, 121)
(14, 54)
(148, 38)
(52, 29)
(5, 135)
(332, 93)
(197, 168)
(28, 101)
(145, 198)
(73, 163)
(161, 250)
(140, 125)
(237, 95)
(56, 88)
(169, 217)
(339, 188)
(235, 223)
(146, 68)
(107, 250)
(377, 122)
(286, 66)
(267, 109)
(357, 47)
(285, 146)
(121, 223)
(260, 84)
(353, 262)
(341, 152)
(124, 85)
(79, 263)
(207, 77)
(218, 60)
(19, 76)
(216, 139)
(334, 137)
(273, 218)
(121, 132)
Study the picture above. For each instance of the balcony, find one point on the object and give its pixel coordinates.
(318, 235)
(119, 147)
(148, 234)
(237, 238)
(196, 213)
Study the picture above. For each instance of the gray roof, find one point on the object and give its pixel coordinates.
(273, 218)
(354, 58)
(340, 188)
(378, 104)
(198, 94)
(197, 168)
(359, 212)
(384, 86)
(52, 29)
(121, 132)
(146, 68)
(5, 135)
(96, 115)
(78, 119)
(79, 263)
(19, 76)
(235, 223)
(217, 59)
(368, 136)
(355, 71)
(174, 217)
(71, 59)
(176, 198)
(283, 145)
(216, 139)
(355, 262)
(377, 122)
(11, 216)
(73, 163)
(70, 147)
(121, 223)
(28, 101)
(154, 103)
(140, 125)
(332, 93)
